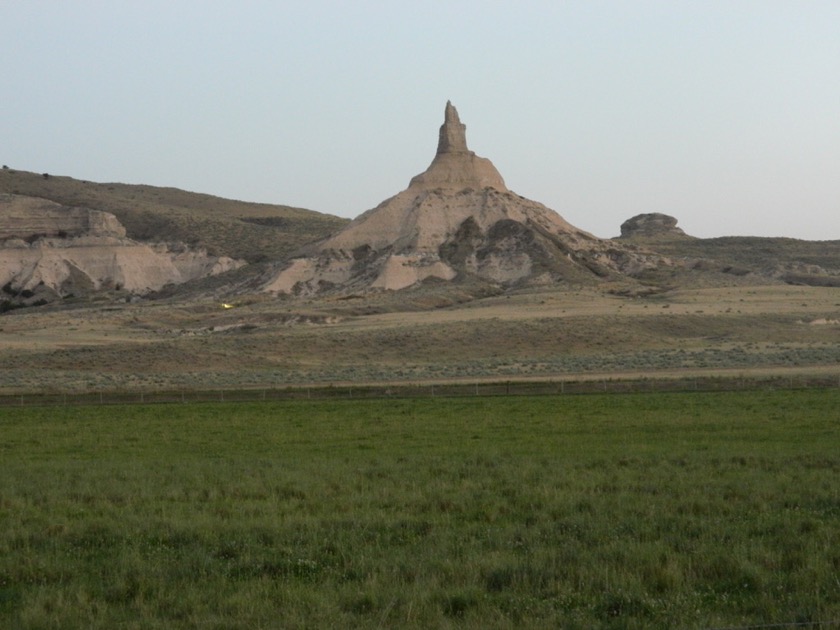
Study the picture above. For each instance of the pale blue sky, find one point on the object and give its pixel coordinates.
(723, 114)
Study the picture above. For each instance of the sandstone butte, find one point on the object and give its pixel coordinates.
(456, 221)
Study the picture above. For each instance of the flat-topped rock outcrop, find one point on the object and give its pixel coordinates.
(30, 218)
(457, 220)
(651, 224)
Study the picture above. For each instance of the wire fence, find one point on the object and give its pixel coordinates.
(424, 390)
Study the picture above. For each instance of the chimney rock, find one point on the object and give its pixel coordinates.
(454, 166)
(453, 134)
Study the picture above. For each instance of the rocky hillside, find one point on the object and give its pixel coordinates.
(49, 251)
(249, 231)
(753, 258)
(456, 223)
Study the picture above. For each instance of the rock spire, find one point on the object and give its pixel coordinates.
(455, 166)
(453, 133)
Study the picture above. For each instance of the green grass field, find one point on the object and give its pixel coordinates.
(615, 511)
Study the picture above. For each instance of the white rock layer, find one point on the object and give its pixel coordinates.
(57, 250)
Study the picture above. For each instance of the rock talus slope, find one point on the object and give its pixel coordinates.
(457, 220)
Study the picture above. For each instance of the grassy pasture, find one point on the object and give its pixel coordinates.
(643, 510)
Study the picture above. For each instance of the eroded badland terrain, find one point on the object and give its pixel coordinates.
(118, 287)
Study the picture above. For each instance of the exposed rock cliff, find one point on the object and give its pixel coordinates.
(48, 251)
(30, 218)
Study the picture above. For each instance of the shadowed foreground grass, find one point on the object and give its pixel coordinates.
(665, 510)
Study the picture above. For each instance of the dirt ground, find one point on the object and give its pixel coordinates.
(529, 334)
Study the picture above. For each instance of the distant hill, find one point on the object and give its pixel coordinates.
(755, 251)
(789, 260)
(266, 232)
(251, 231)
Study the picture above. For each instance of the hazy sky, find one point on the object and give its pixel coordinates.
(723, 114)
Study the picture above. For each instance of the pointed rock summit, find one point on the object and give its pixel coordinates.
(456, 221)
(453, 133)
(454, 165)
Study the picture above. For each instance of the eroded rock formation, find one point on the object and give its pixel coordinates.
(454, 165)
(457, 220)
(650, 225)
(30, 218)
(49, 251)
